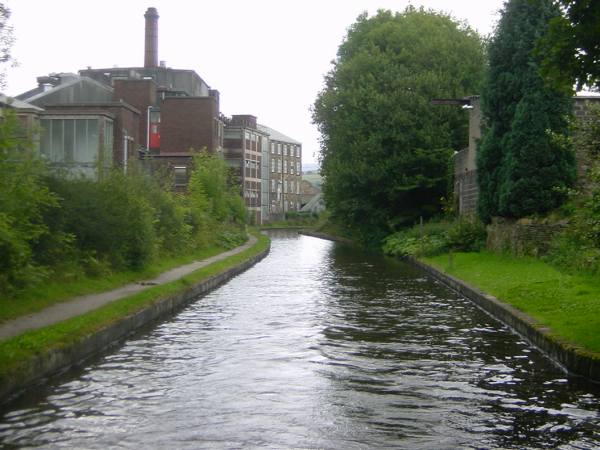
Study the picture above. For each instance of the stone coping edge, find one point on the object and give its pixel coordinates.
(57, 361)
(566, 356)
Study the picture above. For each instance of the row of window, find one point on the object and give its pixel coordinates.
(291, 167)
(292, 186)
(289, 206)
(252, 141)
(287, 149)
(75, 140)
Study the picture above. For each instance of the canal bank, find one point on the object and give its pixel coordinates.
(321, 345)
(571, 358)
(31, 357)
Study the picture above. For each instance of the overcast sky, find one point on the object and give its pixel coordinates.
(266, 57)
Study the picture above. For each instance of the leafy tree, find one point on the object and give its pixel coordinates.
(571, 48)
(24, 197)
(214, 198)
(523, 164)
(384, 146)
(6, 41)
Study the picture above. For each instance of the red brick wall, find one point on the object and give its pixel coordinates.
(140, 94)
(188, 122)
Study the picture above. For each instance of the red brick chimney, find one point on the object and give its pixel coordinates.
(151, 48)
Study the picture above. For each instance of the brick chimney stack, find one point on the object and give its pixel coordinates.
(151, 47)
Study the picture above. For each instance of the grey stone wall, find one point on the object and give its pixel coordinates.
(523, 237)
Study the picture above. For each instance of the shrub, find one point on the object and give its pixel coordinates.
(24, 198)
(434, 238)
(466, 235)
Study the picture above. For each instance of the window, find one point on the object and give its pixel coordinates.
(180, 175)
(279, 149)
(75, 140)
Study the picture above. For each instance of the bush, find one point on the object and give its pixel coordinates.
(109, 218)
(466, 235)
(434, 238)
(578, 247)
(24, 198)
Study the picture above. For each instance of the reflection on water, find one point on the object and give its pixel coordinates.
(318, 346)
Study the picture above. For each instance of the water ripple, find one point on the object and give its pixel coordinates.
(318, 346)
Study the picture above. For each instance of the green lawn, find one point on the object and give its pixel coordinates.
(17, 351)
(568, 304)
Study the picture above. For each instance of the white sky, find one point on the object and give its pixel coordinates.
(266, 57)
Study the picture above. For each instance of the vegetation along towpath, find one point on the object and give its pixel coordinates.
(86, 303)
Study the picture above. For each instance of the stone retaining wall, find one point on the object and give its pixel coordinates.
(61, 359)
(521, 238)
(571, 359)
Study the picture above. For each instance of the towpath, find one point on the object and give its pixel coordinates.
(86, 303)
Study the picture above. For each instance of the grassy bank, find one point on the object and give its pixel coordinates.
(568, 304)
(65, 288)
(16, 352)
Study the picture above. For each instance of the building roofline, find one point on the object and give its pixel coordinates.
(276, 135)
(69, 84)
(115, 104)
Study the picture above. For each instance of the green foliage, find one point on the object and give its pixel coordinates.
(385, 148)
(23, 200)
(71, 227)
(571, 50)
(111, 219)
(214, 195)
(434, 238)
(578, 247)
(7, 40)
(524, 162)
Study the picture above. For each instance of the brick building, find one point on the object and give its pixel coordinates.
(245, 150)
(285, 173)
(159, 115)
(152, 111)
(82, 128)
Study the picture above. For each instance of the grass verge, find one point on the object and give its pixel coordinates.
(16, 352)
(568, 304)
(60, 290)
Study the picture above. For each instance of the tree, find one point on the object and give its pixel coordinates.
(571, 48)
(6, 41)
(24, 197)
(523, 166)
(384, 147)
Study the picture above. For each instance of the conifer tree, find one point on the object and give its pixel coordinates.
(523, 165)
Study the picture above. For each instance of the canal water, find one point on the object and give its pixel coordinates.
(317, 346)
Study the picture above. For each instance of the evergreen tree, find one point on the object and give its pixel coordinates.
(523, 167)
